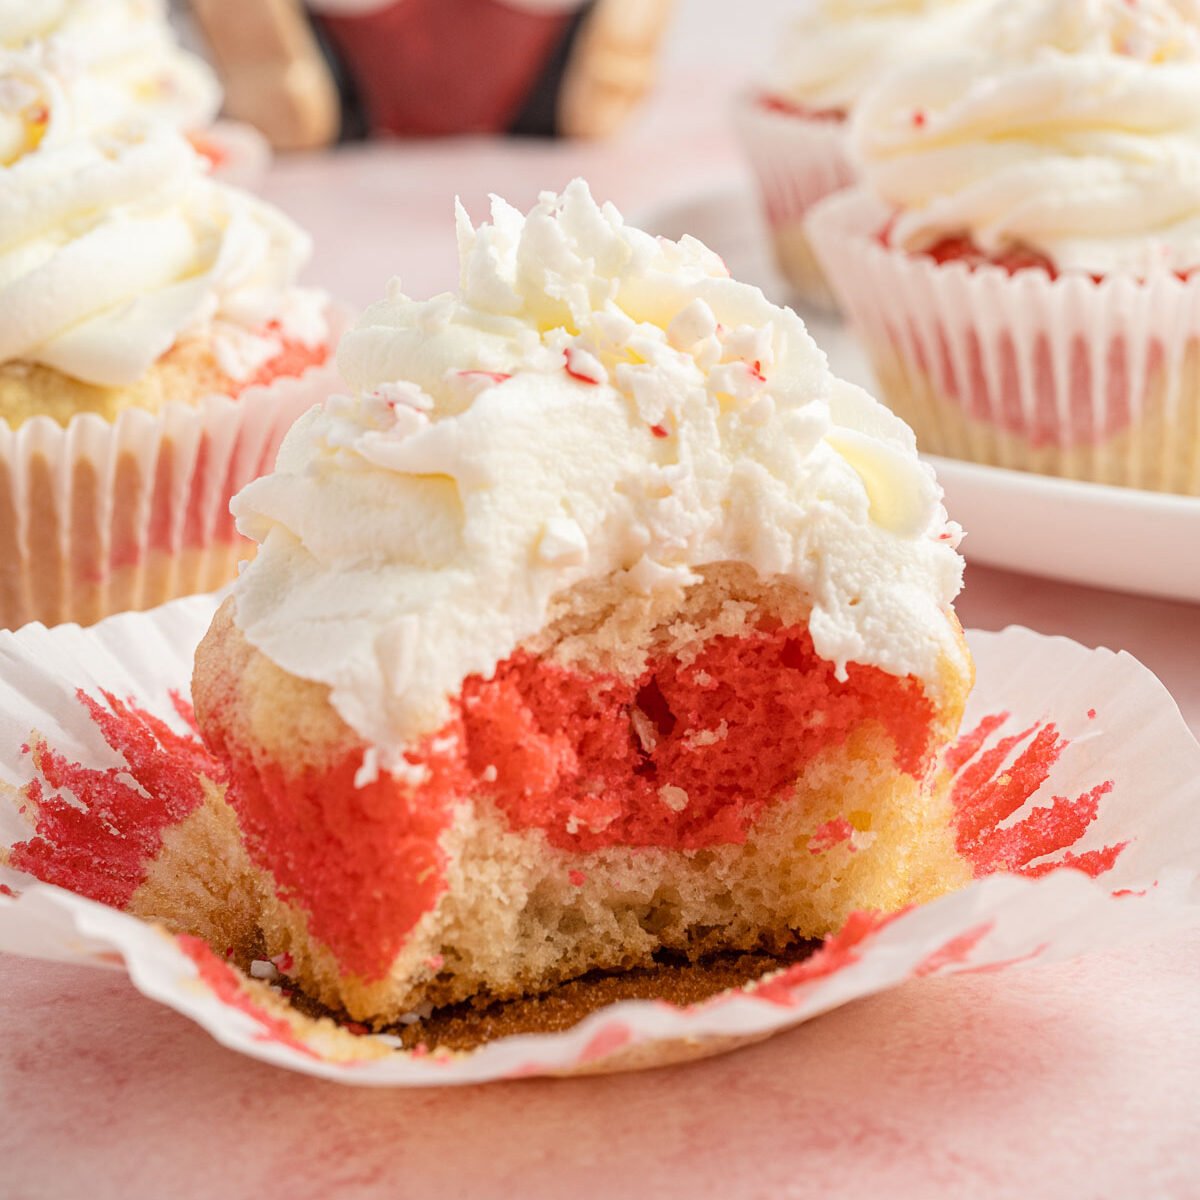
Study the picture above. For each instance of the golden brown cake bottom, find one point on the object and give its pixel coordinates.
(189, 371)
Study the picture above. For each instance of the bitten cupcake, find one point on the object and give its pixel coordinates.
(1023, 264)
(124, 60)
(601, 622)
(153, 350)
(794, 124)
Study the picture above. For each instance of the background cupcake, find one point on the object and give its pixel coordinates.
(123, 59)
(153, 350)
(794, 124)
(1024, 264)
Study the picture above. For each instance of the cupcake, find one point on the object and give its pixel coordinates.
(600, 623)
(123, 58)
(1022, 262)
(153, 350)
(794, 124)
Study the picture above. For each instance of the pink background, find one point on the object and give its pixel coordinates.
(1081, 1079)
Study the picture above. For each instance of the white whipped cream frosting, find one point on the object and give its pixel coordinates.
(122, 55)
(594, 401)
(1071, 126)
(837, 49)
(115, 243)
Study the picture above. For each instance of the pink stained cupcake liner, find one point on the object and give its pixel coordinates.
(1076, 784)
(101, 516)
(797, 162)
(1066, 376)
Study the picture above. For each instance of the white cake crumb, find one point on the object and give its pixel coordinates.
(707, 737)
(675, 798)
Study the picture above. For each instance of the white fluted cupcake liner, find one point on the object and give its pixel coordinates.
(1076, 788)
(100, 516)
(1064, 376)
(797, 162)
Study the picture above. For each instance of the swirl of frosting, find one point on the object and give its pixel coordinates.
(121, 55)
(595, 402)
(1075, 133)
(115, 244)
(832, 54)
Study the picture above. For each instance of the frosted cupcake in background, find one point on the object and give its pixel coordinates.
(153, 350)
(123, 59)
(1023, 264)
(794, 124)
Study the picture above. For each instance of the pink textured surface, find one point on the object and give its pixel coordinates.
(1074, 1080)
(1080, 1079)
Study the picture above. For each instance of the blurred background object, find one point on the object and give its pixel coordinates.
(121, 60)
(309, 75)
(274, 73)
(120, 57)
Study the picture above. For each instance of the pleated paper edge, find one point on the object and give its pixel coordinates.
(639, 1033)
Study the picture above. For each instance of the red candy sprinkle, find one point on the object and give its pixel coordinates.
(494, 376)
(572, 368)
(659, 431)
(792, 108)
(207, 148)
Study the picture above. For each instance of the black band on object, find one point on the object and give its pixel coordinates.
(538, 116)
(354, 125)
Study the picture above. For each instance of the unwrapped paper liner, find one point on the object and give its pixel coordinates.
(101, 516)
(797, 161)
(1064, 375)
(1125, 761)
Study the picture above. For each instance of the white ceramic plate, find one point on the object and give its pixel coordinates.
(1118, 538)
